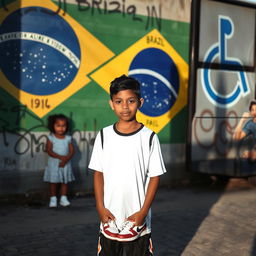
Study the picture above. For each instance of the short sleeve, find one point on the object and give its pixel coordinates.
(97, 155)
(246, 128)
(156, 164)
(69, 139)
(50, 138)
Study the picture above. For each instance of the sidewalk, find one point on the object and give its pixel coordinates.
(186, 221)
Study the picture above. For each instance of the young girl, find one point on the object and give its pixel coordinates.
(60, 150)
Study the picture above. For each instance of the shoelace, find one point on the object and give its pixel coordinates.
(126, 224)
(113, 223)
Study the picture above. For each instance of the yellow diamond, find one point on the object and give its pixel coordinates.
(92, 54)
(121, 65)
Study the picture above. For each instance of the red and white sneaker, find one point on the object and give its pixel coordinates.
(129, 232)
(110, 230)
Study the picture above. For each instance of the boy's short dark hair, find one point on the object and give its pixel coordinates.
(124, 83)
(253, 102)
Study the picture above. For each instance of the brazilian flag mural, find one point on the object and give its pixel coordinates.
(60, 56)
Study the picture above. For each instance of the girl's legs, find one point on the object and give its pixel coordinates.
(53, 189)
(64, 190)
(53, 192)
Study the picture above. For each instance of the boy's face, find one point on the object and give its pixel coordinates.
(253, 110)
(125, 105)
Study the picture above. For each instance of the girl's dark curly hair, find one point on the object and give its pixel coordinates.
(52, 120)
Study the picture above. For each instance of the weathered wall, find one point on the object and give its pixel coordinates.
(56, 60)
(222, 86)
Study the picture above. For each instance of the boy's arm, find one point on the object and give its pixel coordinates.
(139, 217)
(104, 214)
(239, 133)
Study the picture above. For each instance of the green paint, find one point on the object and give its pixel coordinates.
(175, 131)
(89, 107)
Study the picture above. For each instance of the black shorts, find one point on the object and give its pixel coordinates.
(139, 247)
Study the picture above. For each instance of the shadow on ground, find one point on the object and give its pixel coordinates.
(180, 219)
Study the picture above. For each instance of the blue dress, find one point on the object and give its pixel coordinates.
(53, 173)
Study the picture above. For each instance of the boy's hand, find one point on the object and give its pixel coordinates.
(246, 115)
(138, 218)
(105, 215)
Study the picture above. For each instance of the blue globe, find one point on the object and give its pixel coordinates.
(159, 79)
(35, 67)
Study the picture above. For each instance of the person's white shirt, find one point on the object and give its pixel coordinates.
(127, 162)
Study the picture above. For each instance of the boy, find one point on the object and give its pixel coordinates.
(246, 127)
(127, 163)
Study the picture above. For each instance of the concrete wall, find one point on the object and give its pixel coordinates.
(104, 33)
(23, 162)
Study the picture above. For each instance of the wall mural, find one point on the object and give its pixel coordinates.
(59, 57)
(223, 87)
(45, 56)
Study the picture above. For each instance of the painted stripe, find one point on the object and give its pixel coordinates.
(44, 40)
(154, 74)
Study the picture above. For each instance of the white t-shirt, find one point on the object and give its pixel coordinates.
(127, 162)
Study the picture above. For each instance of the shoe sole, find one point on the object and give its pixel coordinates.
(131, 237)
(64, 205)
(116, 238)
(122, 239)
(108, 236)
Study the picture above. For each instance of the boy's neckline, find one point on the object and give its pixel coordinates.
(127, 134)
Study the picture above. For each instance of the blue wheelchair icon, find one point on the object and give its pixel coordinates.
(226, 29)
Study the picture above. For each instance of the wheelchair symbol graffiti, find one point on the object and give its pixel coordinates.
(219, 49)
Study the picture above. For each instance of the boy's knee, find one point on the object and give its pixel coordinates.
(246, 155)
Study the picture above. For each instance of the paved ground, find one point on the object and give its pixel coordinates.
(189, 221)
